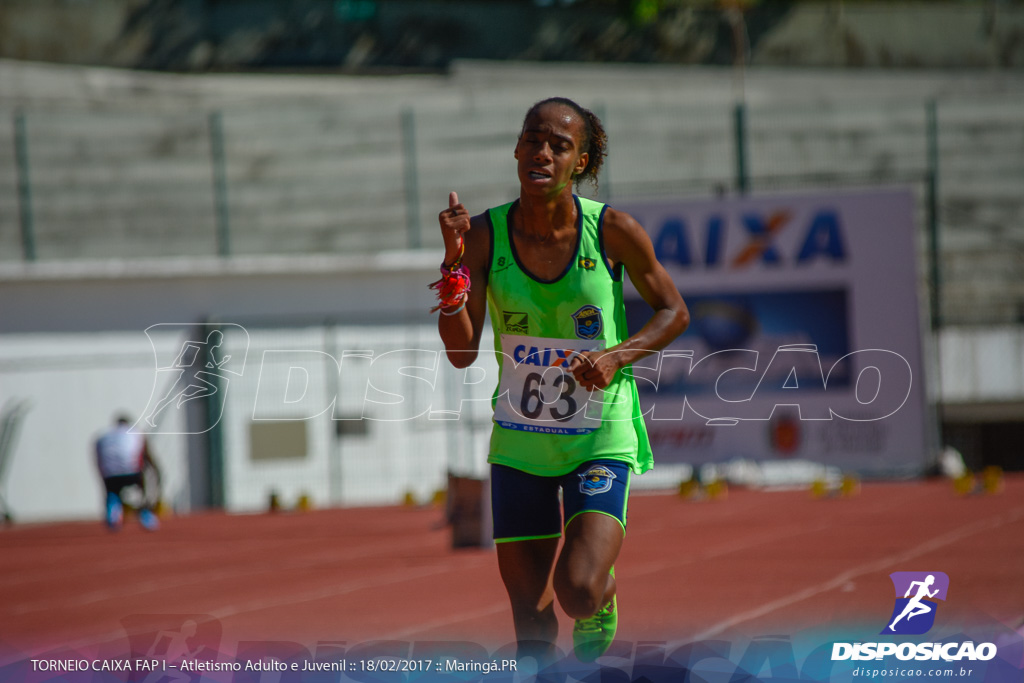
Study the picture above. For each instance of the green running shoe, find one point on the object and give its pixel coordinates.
(591, 637)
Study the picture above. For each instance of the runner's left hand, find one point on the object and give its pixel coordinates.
(593, 369)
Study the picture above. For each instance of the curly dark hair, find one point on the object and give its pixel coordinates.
(594, 143)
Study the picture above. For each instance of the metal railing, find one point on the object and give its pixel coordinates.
(353, 178)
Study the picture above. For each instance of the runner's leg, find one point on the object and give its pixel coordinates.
(525, 568)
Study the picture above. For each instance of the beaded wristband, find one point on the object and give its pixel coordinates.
(453, 287)
(456, 311)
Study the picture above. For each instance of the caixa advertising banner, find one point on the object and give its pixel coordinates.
(805, 334)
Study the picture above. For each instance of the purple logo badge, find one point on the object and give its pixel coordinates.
(916, 595)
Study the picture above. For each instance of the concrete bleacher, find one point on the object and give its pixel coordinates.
(324, 200)
(10, 235)
(122, 164)
(119, 184)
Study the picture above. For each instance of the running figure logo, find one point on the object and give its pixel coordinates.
(199, 369)
(171, 640)
(914, 612)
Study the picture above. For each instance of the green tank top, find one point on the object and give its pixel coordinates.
(544, 423)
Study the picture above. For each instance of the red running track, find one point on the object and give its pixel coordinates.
(757, 562)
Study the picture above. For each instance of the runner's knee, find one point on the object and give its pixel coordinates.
(580, 593)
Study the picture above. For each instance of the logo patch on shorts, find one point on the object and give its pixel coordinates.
(516, 323)
(597, 479)
(588, 322)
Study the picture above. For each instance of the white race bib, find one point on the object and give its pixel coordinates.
(538, 394)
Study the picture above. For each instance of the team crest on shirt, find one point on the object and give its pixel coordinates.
(597, 479)
(587, 263)
(516, 322)
(588, 322)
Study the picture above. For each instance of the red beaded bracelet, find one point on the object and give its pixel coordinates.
(453, 287)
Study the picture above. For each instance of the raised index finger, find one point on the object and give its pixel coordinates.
(453, 200)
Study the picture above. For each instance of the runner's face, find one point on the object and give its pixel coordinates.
(549, 149)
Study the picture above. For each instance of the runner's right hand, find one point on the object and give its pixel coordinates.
(454, 223)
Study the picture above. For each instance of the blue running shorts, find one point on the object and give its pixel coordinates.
(526, 506)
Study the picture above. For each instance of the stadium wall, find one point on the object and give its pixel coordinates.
(83, 344)
(79, 347)
(118, 257)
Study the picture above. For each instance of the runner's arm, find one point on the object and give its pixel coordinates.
(627, 243)
(460, 332)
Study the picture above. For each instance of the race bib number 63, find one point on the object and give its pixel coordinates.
(537, 391)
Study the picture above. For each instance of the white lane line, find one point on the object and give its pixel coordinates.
(753, 542)
(426, 627)
(870, 567)
(273, 601)
(188, 578)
